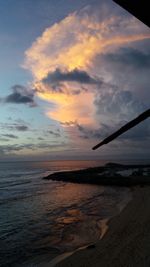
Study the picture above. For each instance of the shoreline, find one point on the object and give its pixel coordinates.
(127, 241)
(60, 258)
(104, 228)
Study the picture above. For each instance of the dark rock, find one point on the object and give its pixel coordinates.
(105, 175)
(91, 246)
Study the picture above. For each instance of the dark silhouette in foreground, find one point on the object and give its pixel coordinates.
(138, 8)
(125, 128)
(111, 174)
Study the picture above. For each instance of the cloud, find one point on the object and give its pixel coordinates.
(11, 136)
(130, 57)
(90, 133)
(20, 95)
(15, 149)
(77, 39)
(76, 75)
(63, 59)
(55, 134)
(129, 69)
(6, 149)
(141, 132)
(92, 66)
(57, 81)
(118, 105)
(68, 123)
(51, 146)
(40, 138)
(14, 127)
(4, 139)
(22, 128)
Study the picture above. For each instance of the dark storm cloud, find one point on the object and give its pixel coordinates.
(120, 107)
(55, 80)
(70, 76)
(121, 104)
(128, 68)
(141, 132)
(90, 133)
(20, 95)
(130, 57)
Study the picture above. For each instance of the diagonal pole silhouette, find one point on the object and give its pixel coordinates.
(124, 128)
(140, 9)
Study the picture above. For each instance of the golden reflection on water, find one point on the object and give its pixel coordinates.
(70, 192)
(76, 225)
(82, 217)
(72, 216)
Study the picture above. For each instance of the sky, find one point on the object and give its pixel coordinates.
(72, 72)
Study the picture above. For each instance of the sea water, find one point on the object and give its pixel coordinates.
(41, 219)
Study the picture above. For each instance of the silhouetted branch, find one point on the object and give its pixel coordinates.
(125, 128)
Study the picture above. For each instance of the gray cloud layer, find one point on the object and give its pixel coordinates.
(129, 69)
(22, 128)
(141, 132)
(55, 134)
(11, 136)
(12, 149)
(14, 126)
(130, 57)
(20, 95)
(119, 104)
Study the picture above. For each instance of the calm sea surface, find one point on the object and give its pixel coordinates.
(41, 219)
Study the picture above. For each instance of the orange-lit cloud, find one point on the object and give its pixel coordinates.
(74, 43)
(73, 108)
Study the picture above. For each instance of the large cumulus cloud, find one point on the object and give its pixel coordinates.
(93, 66)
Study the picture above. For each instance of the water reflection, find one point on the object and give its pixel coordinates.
(84, 211)
(40, 219)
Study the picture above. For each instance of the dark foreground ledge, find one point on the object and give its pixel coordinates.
(111, 174)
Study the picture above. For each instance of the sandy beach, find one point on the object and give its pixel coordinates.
(126, 243)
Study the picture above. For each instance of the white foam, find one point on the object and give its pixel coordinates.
(126, 173)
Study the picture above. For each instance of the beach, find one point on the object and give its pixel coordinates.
(127, 241)
(69, 220)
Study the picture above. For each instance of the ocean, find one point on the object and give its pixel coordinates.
(41, 219)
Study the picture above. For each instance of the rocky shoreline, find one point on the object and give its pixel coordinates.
(112, 174)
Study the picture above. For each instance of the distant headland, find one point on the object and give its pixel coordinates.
(112, 174)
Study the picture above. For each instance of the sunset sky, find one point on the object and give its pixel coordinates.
(72, 72)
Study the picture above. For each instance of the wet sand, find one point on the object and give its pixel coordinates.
(126, 243)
